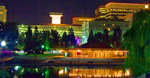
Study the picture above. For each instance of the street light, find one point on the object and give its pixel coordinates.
(3, 43)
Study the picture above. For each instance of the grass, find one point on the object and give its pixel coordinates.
(46, 55)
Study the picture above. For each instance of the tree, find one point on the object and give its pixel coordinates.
(21, 42)
(117, 36)
(106, 37)
(91, 37)
(98, 36)
(46, 40)
(55, 39)
(137, 42)
(71, 37)
(29, 45)
(64, 40)
(36, 41)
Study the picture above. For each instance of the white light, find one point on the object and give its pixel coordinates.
(17, 67)
(56, 19)
(61, 71)
(3, 43)
(146, 6)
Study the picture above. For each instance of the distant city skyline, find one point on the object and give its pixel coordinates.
(37, 12)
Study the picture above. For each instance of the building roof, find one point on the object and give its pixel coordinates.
(58, 24)
(94, 44)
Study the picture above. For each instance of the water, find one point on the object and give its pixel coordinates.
(65, 72)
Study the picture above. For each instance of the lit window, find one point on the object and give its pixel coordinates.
(104, 24)
(146, 6)
(113, 24)
(108, 29)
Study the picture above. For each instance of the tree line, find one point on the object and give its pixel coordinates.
(114, 40)
(45, 40)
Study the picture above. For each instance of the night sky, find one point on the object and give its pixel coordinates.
(37, 11)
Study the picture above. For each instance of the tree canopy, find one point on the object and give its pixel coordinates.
(137, 41)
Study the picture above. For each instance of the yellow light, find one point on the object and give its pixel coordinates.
(113, 24)
(56, 19)
(61, 71)
(146, 6)
(108, 29)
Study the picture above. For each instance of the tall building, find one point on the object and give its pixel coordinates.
(3, 13)
(100, 13)
(100, 25)
(114, 10)
(80, 20)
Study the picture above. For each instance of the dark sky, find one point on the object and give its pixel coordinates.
(37, 11)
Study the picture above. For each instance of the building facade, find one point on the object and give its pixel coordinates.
(80, 20)
(114, 10)
(99, 26)
(60, 28)
(3, 13)
(100, 13)
(96, 53)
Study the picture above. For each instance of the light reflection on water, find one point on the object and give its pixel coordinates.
(66, 72)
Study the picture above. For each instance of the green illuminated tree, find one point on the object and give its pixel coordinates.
(21, 42)
(137, 42)
(46, 40)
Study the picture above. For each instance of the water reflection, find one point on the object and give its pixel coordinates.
(97, 72)
(65, 72)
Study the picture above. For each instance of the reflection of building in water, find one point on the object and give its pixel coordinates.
(96, 73)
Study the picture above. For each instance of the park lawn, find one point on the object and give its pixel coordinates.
(45, 55)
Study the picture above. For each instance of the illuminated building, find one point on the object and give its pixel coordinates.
(56, 17)
(80, 20)
(3, 13)
(100, 13)
(56, 25)
(114, 10)
(95, 49)
(100, 25)
(60, 28)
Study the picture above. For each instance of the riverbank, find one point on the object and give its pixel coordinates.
(62, 61)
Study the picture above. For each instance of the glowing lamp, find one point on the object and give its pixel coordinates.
(42, 46)
(146, 6)
(3, 43)
(61, 71)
